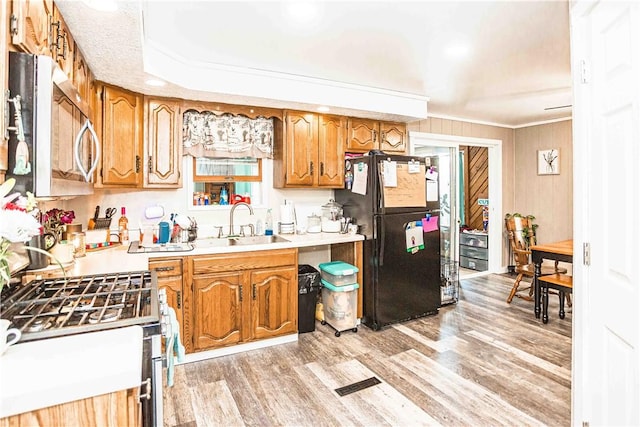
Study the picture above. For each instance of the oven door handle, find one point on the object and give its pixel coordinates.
(76, 151)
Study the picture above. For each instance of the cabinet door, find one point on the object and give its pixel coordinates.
(362, 135)
(121, 137)
(163, 154)
(393, 137)
(331, 136)
(169, 273)
(274, 298)
(81, 74)
(218, 302)
(63, 45)
(301, 151)
(30, 25)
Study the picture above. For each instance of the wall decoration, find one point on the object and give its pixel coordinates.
(549, 162)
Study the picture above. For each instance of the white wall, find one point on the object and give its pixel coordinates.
(306, 201)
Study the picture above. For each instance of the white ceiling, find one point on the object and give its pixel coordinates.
(379, 59)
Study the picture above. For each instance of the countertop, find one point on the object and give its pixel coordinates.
(48, 372)
(116, 259)
(38, 374)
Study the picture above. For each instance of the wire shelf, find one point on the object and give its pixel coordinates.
(449, 284)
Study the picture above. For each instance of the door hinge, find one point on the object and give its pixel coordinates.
(584, 72)
(586, 253)
(13, 24)
(150, 168)
(137, 164)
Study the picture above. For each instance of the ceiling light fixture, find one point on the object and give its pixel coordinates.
(102, 5)
(155, 82)
(457, 50)
(302, 12)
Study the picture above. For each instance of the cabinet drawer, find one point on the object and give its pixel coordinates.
(244, 261)
(471, 252)
(166, 267)
(474, 264)
(477, 240)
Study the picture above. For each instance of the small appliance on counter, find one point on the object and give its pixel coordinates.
(331, 217)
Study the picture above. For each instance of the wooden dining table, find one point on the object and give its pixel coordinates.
(557, 251)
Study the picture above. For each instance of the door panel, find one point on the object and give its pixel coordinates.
(607, 297)
(407, 284)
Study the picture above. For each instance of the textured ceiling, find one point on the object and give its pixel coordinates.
(372, 52)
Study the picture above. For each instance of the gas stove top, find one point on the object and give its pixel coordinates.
(49, 308)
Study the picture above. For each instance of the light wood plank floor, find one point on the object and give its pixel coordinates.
(480, 362)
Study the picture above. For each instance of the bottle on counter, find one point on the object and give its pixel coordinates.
(123, 227)
(268, 224)
(224, 195)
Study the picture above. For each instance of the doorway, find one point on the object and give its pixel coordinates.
(447, 148)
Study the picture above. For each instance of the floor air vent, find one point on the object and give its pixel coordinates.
(360, 385)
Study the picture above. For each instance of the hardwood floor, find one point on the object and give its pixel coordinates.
(479, 362)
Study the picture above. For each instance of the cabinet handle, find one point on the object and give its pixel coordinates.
(137, 164)
(311, 168)
(164, 268)
(240, 293)
(179, 298)
(321, 168)
(255, 292)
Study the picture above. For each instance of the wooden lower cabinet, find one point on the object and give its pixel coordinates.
(120, 408)
(243, 297)
(169, 273)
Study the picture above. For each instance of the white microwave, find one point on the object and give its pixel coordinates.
(53, 149)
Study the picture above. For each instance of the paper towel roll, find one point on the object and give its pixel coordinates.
(286, 214)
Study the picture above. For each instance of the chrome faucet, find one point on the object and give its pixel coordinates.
(233, 209)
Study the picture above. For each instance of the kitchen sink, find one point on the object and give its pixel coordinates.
(239, 241)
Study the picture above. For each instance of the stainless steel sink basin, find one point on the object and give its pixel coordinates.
(239, 241)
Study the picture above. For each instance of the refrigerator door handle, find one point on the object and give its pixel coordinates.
(382, 242)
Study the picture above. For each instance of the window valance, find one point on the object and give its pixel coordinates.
(206, 134)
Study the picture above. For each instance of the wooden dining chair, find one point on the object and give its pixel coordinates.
(521, 232)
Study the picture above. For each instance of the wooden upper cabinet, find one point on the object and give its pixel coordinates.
(393, 137)
(163, 152)
(62, 45)
(30, 25)
(122, 118)
(311, 153)
(301, 148)
(362, 135)
(365, 135)
(331, 136)
(81, 74)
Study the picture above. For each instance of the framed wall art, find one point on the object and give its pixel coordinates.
(549, 162)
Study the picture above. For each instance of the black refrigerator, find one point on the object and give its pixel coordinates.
(401, 278)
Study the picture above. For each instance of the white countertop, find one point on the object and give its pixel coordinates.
(65, 368)
(117, 259)
(38, 374)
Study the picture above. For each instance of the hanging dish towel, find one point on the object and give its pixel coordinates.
(173, 346)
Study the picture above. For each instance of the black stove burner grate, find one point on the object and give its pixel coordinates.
(47, 308)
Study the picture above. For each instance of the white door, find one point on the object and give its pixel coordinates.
(606, 69)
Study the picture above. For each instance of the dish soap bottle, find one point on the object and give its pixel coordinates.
(268, 224)
(224, 195)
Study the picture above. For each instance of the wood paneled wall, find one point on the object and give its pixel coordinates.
(476, 183)
(547, 197)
